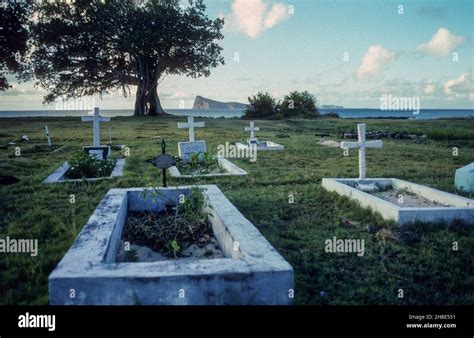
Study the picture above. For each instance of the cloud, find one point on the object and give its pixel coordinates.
(461, 86)
(278, 13)
(429, 88)
(178, 95)
(374, 61)
(442, 43)
(252, 17)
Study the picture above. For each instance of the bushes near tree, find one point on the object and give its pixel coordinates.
(294, 105)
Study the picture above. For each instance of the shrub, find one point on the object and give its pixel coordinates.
(261, 105)
(205, 163)
(299, 104)
(88, 166)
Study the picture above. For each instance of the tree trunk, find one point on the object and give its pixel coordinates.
(153, 102)
(139, 102)
(147, 101)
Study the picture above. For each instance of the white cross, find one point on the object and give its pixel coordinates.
(95, 125)
(191, 125)
(362, 144)
(47, 135)
(252, 129)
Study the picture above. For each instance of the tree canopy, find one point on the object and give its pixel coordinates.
(13, 39)
(261, 105)
(295, 104)
(299, 104)
(90, 47)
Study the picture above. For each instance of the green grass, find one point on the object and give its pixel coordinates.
(418, 259)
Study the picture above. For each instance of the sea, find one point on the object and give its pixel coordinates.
(348, 113)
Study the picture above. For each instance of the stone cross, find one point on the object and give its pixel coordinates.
(252, 129)
(96, 119)
(46, 130)
(191, 125)
(362, 144)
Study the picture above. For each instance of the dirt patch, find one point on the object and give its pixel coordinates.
(407, 200)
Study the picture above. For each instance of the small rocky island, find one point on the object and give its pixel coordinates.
(204, 103)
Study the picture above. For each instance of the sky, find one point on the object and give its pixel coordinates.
(350, 53)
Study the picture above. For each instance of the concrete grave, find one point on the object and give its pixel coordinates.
(228, 168)
(252, 272)
(254, 142)
(58, 175)
(444, 206)
(395, 199)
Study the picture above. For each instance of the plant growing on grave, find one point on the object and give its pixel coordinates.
(173, 229)
(82, 165)
(203, 163)
(131, 255)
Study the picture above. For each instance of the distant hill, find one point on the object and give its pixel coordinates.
(331, 106)
(203, 103)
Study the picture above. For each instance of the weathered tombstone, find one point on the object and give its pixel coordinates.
(101, 152)
(47, 135)
(186, 149)
(361, 144)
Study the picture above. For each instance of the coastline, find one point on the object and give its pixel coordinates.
(345, 113)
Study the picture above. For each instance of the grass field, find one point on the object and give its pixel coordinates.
(418, 258)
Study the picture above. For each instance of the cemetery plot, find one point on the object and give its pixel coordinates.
(254, 142)
(405, 202)
(395, 199)
(251, 271)
(180, 231)
(196, 161)
(93, 164)
(218, 166)
(114, 168)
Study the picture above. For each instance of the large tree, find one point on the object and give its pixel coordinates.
(96, 46)
(13, 39)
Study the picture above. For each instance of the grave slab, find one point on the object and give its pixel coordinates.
(230, 170)
(252, 272)
(58, 175)
(454, 206)
(262, 146)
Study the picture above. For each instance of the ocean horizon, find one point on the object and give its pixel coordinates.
(236, 113)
